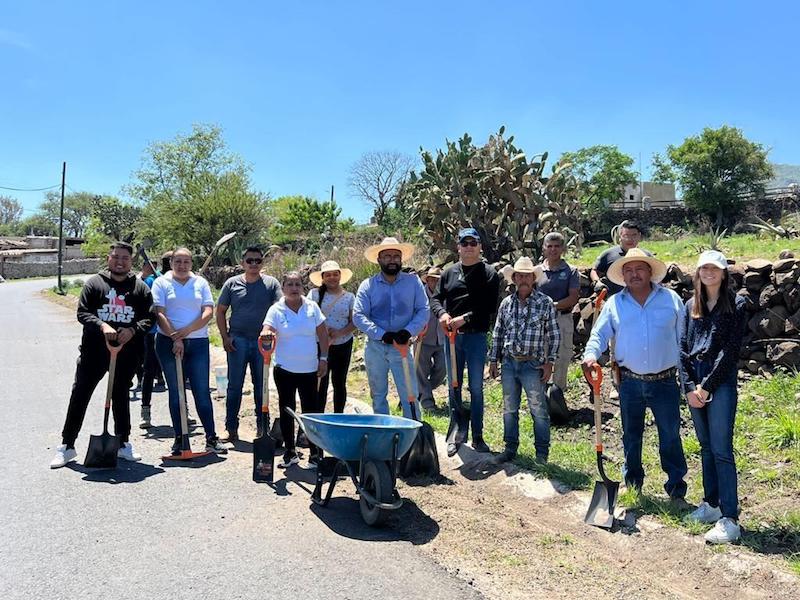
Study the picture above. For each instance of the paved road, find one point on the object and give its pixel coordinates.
(154, 531)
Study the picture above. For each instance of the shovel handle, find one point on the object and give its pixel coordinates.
(451, 337)
(403, 350)
(595, 377)
(266, 346)
(598, 304)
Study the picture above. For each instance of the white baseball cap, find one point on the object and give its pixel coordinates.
(713, 257)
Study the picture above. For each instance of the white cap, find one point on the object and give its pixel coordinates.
(713, 257)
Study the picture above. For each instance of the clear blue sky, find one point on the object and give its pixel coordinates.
(303, 89)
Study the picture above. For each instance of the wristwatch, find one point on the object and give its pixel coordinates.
(324, 357)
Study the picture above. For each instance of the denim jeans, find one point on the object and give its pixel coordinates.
(516, 376)
(663, 399)
(195, 366)
(470, 351)
(246, 353)
(714, 427)
(380, 358)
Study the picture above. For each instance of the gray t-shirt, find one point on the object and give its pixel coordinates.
(558, 282)
(249, 303)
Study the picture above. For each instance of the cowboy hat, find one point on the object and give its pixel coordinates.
(328, 266)
(434, 272)
(388, 243)
(523, 265)
(658, 268)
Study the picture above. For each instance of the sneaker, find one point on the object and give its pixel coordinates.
(452, 449)
(63, 456)
(613, 394)
(302, 440)
(504, 457)
(289, 459)
(126, 453)
(313, 461)
(705, 513)
(160, 387)
(726, 530)
(480, 446)
(213, 444)
(136, 388)
(145, 424)
(230, 436)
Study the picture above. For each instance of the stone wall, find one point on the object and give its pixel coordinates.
(18, 270)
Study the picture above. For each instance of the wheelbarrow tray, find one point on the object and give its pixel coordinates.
(341, 435)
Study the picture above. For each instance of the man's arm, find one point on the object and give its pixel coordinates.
(361, 310)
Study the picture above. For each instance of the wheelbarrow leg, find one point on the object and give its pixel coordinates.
(322, 469)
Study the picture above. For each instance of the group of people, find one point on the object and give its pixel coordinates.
(661, 348)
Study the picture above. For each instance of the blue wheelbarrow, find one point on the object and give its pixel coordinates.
(366, 447)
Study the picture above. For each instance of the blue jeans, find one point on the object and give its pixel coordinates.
(663, 399)
(380, 358)
(714, 427)
(515, 376)
(470, 351)
(246, 353)
(195, 366)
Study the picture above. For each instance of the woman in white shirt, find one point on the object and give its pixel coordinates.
(297, 323)
(337, 305)
(184, 305)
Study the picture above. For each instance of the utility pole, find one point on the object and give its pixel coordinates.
(61, 229)
(331, 194)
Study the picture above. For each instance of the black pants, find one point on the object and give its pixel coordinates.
(338, 366)
(92, 366)
(152, 368)
(304, 385)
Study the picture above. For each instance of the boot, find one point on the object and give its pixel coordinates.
(145, 424)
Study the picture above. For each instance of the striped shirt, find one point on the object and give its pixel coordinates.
(526, 329)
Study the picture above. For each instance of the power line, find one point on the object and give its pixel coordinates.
(14, 189)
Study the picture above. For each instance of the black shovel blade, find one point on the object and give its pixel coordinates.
(422, 458)
(601, 506)
(102, 451)
(263, 459)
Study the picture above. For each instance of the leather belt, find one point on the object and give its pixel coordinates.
(521, 358)
(665, 374)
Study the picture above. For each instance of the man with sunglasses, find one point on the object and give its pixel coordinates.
(465, 301)
(249, 296)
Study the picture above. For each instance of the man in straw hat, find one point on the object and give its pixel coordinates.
(525, 343)
(645, 319)
(465, 301)
(390, 307)
(248, 296)
(431, 368)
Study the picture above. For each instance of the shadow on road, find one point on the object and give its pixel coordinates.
(125, 472)
(195, 463)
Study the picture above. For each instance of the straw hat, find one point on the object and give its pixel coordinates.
(330, 265)
(658, 268)
(388, 243)
(434, 272)
(523, 265)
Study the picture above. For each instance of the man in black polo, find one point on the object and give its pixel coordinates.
(630, 235)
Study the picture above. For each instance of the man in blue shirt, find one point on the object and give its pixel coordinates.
(645, 319)
(390, 307)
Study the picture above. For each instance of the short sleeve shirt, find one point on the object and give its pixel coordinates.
(183, 302)
(558, 282)
(337, 310)
(296, 349)
(249, 303)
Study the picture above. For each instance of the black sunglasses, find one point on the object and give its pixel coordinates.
(253, 261)
(466, 243)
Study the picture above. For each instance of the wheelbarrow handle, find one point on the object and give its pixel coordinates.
(294, 416)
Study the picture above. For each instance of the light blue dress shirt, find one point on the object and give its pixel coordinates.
(382, 306)
(647, 337)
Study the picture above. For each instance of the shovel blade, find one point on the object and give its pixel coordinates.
(185, 455)
(102, 451)
(601, 506)
(422, 458)
(263, 459)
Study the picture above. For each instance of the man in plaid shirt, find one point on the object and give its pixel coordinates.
(525, 341)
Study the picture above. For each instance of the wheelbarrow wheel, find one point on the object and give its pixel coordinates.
(378, 482)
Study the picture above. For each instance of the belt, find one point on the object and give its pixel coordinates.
(521, 358)
(665, 374)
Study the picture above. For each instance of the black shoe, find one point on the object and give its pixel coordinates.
(176, 447)
(541, 459)
(213, 444)
(159, 387)
(313, 461)
(259, 429)
(302, 440)
(504, 457)
(231, 435)
(480, 446)
(452, 449)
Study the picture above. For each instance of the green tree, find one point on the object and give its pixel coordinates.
(301, 217)
(77, 211)
(10, 211)
(37, 224)
(194, 190)
(114, 218)
(602, 173)
(716, 171)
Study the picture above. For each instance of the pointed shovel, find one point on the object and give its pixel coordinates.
(601, 506)
(264, 445)
(102, 451)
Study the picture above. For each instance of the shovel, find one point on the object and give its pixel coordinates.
(601, 506)
(459, 420)
(220, 242)
(185, 452)
(102, 451)
(422, 458)
(264, 446)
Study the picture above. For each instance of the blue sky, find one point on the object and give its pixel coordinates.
(301, 90)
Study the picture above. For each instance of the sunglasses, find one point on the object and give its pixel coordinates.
(466, 243)
(253, 261)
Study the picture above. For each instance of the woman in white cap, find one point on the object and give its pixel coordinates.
(336, 304)
(712, 335)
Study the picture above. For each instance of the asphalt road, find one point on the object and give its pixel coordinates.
(153, 531)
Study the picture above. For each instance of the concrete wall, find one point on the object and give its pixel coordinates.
(15, 270)
(650, 195)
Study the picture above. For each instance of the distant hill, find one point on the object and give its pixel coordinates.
(784, 175)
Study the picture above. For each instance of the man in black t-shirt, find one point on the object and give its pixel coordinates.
(630, 234)
(465, 301)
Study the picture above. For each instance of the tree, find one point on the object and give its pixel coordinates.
(194, 190)
(602, 173)
(115, 219)
(37, 224)
(77, 211)
(10, 211)
(716, 171)
(377, 178)
(300, 217)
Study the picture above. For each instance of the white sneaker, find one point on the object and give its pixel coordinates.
(705, 513)
(724, 532)
(63, 456)
(126, 453)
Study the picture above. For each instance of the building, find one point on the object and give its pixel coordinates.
(646, 196)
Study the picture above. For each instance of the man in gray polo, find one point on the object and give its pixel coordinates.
(431, 369)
